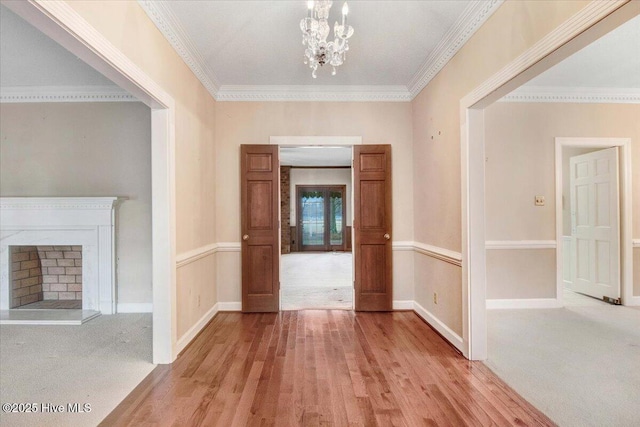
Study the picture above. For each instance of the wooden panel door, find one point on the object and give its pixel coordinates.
(260, 233)
(372, 226)
(595, 229)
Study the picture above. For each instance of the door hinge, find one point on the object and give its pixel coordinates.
(614, 301)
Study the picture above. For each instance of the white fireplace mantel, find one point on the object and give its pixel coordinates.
(49, 221)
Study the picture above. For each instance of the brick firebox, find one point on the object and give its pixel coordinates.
(45, 273)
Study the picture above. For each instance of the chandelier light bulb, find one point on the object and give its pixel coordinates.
(345, 12)
(310, 8)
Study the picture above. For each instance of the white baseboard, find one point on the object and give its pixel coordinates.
(134, 307)
(184, 340)
(493, 304)
(633, 301)
(439, 326)
(230, 306)
(403, 305)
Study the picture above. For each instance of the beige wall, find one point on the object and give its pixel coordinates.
(254, 122)
(321, 177)
(512, 29)
(87, 149)
(520, 151)
(127, 26)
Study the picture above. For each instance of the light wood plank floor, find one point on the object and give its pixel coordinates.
(322, 367)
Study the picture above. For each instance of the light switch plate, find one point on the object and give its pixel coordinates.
(539, 201)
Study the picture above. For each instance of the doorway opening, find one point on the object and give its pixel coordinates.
(316, 216)
(592, 202)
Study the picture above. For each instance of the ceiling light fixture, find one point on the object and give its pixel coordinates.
(315, 30)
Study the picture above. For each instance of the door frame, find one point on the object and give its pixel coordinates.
(69, 29)
(327, 234)
(590, 23)
(320, 141)
(626, 202)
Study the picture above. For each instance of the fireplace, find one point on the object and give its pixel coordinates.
(58, 249)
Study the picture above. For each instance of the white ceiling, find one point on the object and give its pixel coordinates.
(260, 42)
(315, 156)
(252, 50)
(30, 58)
(613, 61)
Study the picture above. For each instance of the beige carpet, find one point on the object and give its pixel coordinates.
(317, 280)
(578, 364)
(98, 363)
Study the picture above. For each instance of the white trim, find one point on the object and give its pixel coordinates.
(134, 307)
(301, 93)
(633, 301)
(636, 243)
(520, 244)
(195, 254)
(436, 252)
(582, 95)
(230, 306)
(315, 140)
(495, 304)
(172, 30)
(48, 203)
(403, 305)
(439, 326)
(466, 26)
(403, 246)
(58, 20)
(229, 246)
(626, 209)
(184, 340)
(592, 21)
(24, 94)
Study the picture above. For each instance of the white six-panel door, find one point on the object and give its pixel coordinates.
(595, 225)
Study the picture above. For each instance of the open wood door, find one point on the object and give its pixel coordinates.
(372, 226)
(260, 233)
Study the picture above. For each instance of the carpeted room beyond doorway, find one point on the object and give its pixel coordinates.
(317, 280)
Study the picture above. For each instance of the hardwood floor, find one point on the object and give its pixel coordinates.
(317, 368)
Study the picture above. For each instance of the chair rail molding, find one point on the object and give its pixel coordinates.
(520, 244)
(441, 254)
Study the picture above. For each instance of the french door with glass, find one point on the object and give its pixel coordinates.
(321, 217)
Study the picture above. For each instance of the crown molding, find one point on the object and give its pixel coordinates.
(582, 95)
(24, 94)
(170, 27)
(469, 22)
(314, 93)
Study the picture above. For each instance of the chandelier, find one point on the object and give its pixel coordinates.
(315, 30)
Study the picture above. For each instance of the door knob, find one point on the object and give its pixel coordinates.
(245, 237)
(386, 236)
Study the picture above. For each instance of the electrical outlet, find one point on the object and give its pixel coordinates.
(539, 200)
(435, 297)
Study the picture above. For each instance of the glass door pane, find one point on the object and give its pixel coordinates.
(312, 218)
(336, 229)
